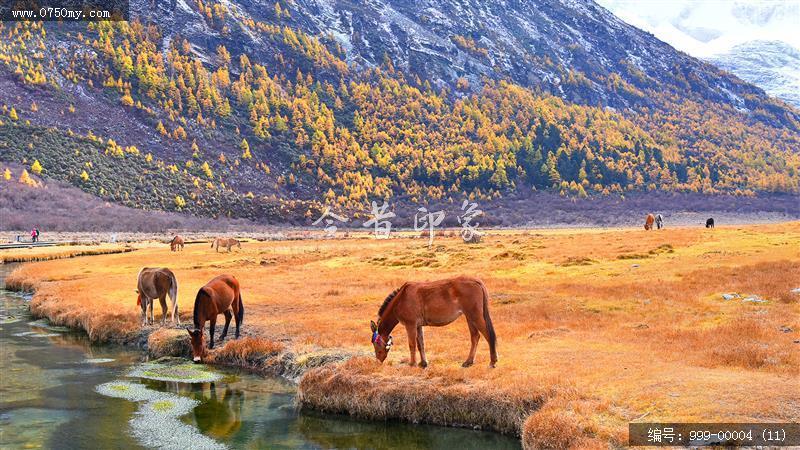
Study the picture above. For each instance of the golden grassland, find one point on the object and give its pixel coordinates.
(596, 327)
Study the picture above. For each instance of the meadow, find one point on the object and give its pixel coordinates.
(596, 327)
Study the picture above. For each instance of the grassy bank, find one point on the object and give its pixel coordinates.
(596, 328)
(29, 254)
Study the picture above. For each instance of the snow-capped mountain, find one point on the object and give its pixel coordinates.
(772, 65)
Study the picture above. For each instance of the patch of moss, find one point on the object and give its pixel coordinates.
(163, 405)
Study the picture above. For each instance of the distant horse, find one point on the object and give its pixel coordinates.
(176, 243)
(225, 243)
(434, 303)
(219, 296)
(659, 221)
(710, 222)
(648, 222)
(157, 283)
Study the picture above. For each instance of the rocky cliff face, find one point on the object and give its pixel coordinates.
(542, 44)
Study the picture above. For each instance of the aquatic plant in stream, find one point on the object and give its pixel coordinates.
(42, 323)
(174, 369)
(157, 423)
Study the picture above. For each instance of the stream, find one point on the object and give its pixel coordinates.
(57, 390)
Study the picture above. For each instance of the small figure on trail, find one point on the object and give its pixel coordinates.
(34, 234)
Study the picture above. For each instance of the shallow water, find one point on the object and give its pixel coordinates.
(49, 398)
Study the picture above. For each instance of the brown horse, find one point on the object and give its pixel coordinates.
(219, 296)
(156, 283)
(434, 303)
(225, 242)
(648, 222)
(176, 243)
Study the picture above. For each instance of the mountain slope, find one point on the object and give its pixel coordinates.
(267, 111)
(772, 65)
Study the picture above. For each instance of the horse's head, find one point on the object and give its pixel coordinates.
(198, 344)
(381, 345)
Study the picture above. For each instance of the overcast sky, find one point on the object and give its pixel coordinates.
(704, 28)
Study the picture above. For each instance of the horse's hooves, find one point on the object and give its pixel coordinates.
(423, 364)
(466, 364)
(491, 365)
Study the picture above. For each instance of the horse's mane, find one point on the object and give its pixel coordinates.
(195, 317)
(388, 300)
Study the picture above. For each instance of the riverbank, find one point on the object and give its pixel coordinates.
(596, 327)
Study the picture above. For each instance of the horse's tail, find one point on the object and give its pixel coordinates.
(213, 242)
(173, 295)
(491, 336)
(240, 314)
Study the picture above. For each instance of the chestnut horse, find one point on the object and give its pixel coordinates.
(156, 283)
(648, 222)
(434, 303)
(219, 296)
(225, 242)
(176, 243)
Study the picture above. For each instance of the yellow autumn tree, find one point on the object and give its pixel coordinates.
(180, 203)
(7, 174)
(36, 167)
(84, 176)
(13, 114)
(26, 179)
(245, 149)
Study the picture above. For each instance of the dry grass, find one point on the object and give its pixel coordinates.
(30, 254)
(588, 340)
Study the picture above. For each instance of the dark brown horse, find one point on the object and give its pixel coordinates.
(219, 296)
(156, 283)
(435, 303)
(176, 243)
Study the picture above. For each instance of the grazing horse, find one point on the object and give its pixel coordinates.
(434, 303)
(219, 296)
(176, 243)
(648, 222)
(659, 221)
(710, 222)
(226, 242)
(156, 283)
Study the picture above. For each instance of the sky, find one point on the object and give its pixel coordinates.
(703, 28)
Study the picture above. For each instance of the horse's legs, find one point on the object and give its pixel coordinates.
(474, 337)
(152, 302)
(421, 346)
(228, 316)
(411, 330)
(144, 310)
(212, 327)
(163, 301)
